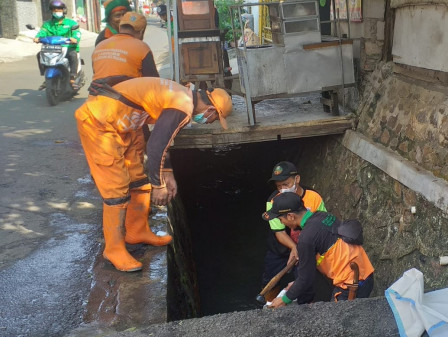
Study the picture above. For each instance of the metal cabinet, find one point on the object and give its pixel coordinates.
(297, 61)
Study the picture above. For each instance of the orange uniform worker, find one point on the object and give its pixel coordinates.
(282, 242)
(111, 135)
(319, 247)
(113, 12)
(124, 55)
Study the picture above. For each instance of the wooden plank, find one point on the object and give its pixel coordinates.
(209, 138)
(325, 44)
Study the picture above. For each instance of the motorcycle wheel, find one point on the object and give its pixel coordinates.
(52, 91)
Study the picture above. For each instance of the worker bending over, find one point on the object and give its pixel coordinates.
(319, 247)
(110, 129)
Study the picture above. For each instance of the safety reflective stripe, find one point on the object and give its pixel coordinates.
(139, 183)
(116, 201)
(319, 260)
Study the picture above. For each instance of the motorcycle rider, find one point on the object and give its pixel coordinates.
(59, 25)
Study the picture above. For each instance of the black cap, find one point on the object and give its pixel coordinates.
(282, 204)
(283, 171)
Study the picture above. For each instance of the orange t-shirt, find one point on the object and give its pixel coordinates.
(119, 55)
(336, 263)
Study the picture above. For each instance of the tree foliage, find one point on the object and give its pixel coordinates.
(225, 23)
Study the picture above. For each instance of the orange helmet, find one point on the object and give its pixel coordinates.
(222, 101)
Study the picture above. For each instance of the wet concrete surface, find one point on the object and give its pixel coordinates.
(125, 300)
(44, 293)
(50, 218)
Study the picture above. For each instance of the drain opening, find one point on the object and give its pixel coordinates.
(224, 192)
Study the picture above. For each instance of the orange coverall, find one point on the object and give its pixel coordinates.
(112, 138)
(110, 131)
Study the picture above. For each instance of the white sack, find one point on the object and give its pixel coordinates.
(416, 311)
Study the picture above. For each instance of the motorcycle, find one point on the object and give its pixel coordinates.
(56, 69)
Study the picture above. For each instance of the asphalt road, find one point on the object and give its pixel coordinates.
(50, 211)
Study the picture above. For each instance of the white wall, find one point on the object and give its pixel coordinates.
(421, 36)
(27, 13)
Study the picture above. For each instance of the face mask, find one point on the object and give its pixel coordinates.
(58, 15)
(291, 189)
(199, 118)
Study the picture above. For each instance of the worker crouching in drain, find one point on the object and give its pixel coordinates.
(110, 128)
(282, 242)
(322, 246)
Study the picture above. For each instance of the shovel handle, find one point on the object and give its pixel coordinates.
(271, 284)
(354, 266)
(353, 288)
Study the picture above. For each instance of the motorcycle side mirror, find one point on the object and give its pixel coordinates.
(75, 27)
(30, 26)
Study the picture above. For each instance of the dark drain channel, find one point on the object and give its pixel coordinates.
(224, 192)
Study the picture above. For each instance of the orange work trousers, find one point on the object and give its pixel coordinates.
(115, 159)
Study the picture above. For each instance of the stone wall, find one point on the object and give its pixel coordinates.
(407, 115)
(183, 295)
(395, 239)
(368, 46)
(404, 109)
(373, 33)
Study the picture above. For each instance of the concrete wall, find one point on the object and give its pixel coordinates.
(421, 36)
(14, 15)
(28, 14)
(401, 3)
(8, 19)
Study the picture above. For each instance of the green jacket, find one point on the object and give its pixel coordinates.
(55, 27)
